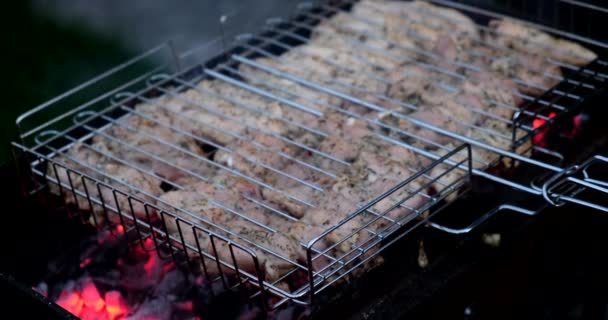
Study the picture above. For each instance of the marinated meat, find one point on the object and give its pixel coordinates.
(447, 115)
(276, 252)
(534, 73)
(255, 160)
(151, 139)
(297, 195)
(279, 166)
(513, 34)
(125, 180)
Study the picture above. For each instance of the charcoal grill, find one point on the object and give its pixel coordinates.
(53, 128)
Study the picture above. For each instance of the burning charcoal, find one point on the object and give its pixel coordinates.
(115, 304)
(171, 283)
(88, 313)
(136, 277)
(71, 301)
(184, 310)
(538, 139)
(110, 279)
(185, 306)
(91, 297)
(117, 281)
(158, 308)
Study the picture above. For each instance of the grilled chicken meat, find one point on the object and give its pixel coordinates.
(513, 34)
(125, 180)
(321, 134)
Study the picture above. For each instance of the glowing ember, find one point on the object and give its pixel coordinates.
(149, 265)
(115, 304)
(91, 296)
(85, 262)
(91, 314)
(117, 282)
(120, 229)
(89, 305)
(149, 244)
(537, 123)
(187, 306)
(70, 301)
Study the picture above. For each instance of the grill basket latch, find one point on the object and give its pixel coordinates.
(567, 186)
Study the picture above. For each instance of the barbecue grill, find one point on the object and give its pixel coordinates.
(542, 174)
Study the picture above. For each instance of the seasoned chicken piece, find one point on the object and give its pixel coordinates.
(146, 139)
(214, 127)
(500, 142)
(286, 250)
(231, 196)
(334, 208)
(303, 193)
(491, 94)
(286, 247)
(514, 34)
(233, 201)
(272, 115)
(194, 210)
(226, 119)
(343, 144)
(177, 167)
(303, 233)
(378, 53)
(409, 84)
(295, 118)
(61, 181)
(311, 100)
(533, 73)
(425, 23)
(368, 179)
(352, 26)
(259, 156)
(236, 111)
(346, 139)
(345, 198)
(448, 50)
(324, 58)
(448, 175)
(308, 68)
(380, 167)
(126, 180)
(347, 80)
(445, 114)
(444, 18)
(141, 186)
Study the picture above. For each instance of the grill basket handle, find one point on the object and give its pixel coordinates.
(566, 186)
(485, 217)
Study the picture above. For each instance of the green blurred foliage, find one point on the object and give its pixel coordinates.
(42, 58)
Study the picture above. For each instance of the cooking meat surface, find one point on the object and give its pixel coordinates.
(512, 34)
(294, 144)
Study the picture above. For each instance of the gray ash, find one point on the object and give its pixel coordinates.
(105, 278)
